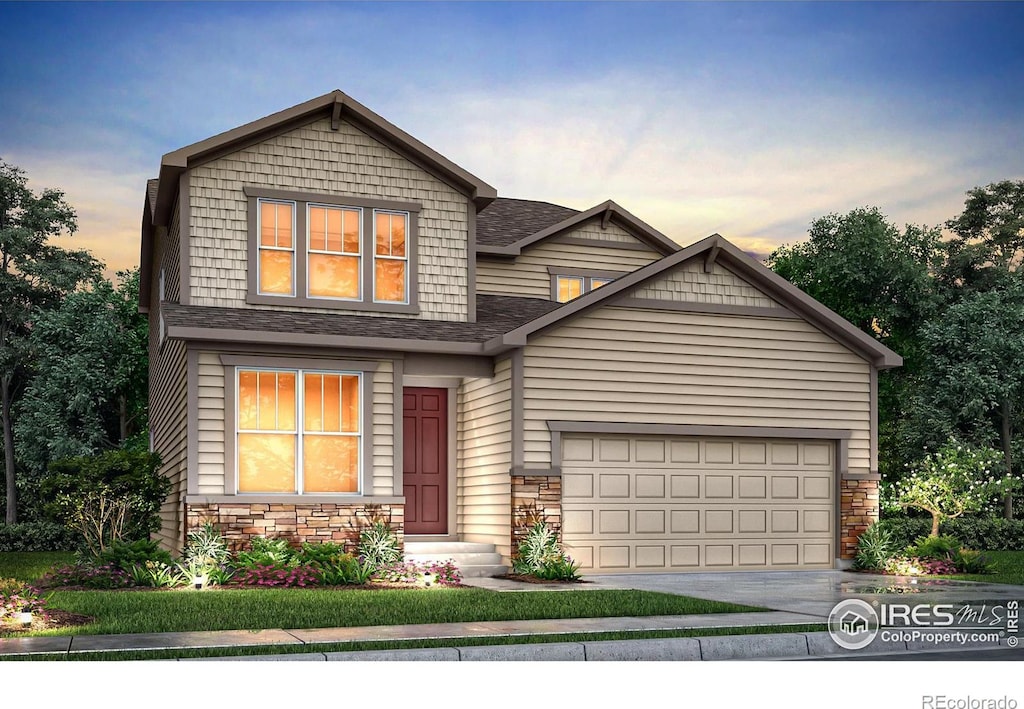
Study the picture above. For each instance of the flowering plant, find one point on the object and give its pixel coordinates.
(278, 575)
(955, 479)
(105, 576)
(18, 597)
(431, 573)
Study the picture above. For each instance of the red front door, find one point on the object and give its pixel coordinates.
(425, 449)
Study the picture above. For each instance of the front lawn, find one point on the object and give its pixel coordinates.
(1009, 568)
(30, 565)
(137, 611)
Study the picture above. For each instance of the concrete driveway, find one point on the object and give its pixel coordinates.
(813, 593)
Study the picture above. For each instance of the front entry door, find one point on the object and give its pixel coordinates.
(425, 449)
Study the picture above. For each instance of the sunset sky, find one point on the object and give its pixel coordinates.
(745, 119)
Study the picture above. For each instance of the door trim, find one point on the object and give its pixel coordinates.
(452, 387)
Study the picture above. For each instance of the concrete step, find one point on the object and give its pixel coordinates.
(414, 547)
(460, 560)
(473, 559)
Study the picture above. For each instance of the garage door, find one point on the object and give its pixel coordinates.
(658, 504)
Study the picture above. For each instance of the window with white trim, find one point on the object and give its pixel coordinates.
(276, 265)
(332, 254)
(298, 431)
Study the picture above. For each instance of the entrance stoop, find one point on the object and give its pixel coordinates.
(473, 559)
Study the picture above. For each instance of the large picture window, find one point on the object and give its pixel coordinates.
(298, 431)
(326, 251)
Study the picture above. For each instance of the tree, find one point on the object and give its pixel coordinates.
(34, 276)
(989, 238)
(879, 278)
(89, 390)
(975, 372)
(954, 480)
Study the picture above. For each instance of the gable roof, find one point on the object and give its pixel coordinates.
(506, 221)
(161, 192)
(339, 106)
(505, 229)
(714, 247)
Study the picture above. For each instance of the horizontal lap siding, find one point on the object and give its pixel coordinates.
(485, 458)
(383, 431)
(212, 425)
(316, 159)
(650, 366)
(528, 274)
(169, 423)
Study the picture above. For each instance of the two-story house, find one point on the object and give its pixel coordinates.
(346, 324)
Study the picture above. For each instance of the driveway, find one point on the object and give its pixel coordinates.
(813, 593)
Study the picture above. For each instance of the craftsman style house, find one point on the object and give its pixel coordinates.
(344, 324)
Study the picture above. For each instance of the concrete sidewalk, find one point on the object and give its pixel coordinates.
(72, 644)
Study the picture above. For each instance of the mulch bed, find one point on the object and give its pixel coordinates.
(53, 619)
(526, 578)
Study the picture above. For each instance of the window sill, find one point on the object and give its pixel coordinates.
(300, 302)
(263, 499)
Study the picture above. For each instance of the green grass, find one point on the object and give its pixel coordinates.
(1008, 565)
(30, 565)
(168, 611)
(411, 644)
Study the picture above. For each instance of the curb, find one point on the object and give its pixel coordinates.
(791, 646)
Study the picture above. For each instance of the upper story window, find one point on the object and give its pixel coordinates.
(331, 251)
(569, 284)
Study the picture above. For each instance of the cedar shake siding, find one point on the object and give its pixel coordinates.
(484, 459)
(315, 159)
(638, 365)
(528, 275)
(690, 284)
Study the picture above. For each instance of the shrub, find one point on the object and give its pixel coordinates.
(987, 533)
(378, 546)
(277, 575)
(156, 574)
(968, 561)
(933, 547)
(107, 497)
(207, 544)
(266, 552)
(37, 536)
(336, 566)
(541, 555)
(874, 548)
(88, 575)
(126, 555)
(18, 597)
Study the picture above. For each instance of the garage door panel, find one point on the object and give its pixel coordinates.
(649, 503)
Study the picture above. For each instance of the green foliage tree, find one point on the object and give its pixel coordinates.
(110, 497)
(975, 367)
(988, 239)
(90, 385)
(879, 278)
(950, 482)
(35, 275)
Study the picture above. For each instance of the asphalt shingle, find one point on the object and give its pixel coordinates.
(505, 221)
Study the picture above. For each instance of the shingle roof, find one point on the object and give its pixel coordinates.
(152, 189)
(505, 221)
(496, 315)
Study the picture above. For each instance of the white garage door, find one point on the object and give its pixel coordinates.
(659, 504)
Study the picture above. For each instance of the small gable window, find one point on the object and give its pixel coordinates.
(569, 286)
